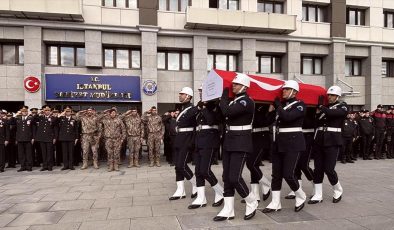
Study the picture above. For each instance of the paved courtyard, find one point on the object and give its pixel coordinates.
(138, 199)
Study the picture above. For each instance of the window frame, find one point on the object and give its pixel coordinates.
(179, 8)
(272, 57)
(180, 54)
(389, 68)
(227, 60)
(58, 58)
(316, 10)
(127, 3)
(385, 16)
(314, 58)
(16, 56)
(114, 57)
(357, 19)
(353, 60)
(274, 3)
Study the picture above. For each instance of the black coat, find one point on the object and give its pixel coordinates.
(261, 139)
(208, 138)
(47, 128)
(68, 129)
(366, 126)
(25, 129)
(187, 119)
(349, 129)
(4, 131)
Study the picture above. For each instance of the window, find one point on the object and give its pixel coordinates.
(11, 54)
(314, 13)
(224, 4)
(311, 65)
(387, 68)
(269, 64)
(355, 16)
(222, 61)
(173, 60)
(65, 55)
(352, 67)
(174, 5)
(133, 4)
(270, 6)
(389, 19)
(122, 58)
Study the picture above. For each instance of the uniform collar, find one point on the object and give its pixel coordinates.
(290, 100)
(240, 94)
(188, 104)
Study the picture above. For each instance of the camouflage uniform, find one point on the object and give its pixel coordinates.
(135, 133)
(114, 132)
(155, 128)
(90, 138)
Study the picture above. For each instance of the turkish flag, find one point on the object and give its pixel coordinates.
(262, 89)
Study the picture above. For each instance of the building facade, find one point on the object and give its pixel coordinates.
(174, 43)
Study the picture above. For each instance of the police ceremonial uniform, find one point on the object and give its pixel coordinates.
(68, 135)
(366, 131)
(24, 135)
(46, 134)
(4, 137)
(11, 149)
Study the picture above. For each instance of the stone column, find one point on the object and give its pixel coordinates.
(149, 62)
(373, 80)
(34, 63)
(334, 65)
(93, 49)
(248, 56)
(200, 60)
(292, 61)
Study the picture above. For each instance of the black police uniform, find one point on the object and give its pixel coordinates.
(11, 150)
(390, 135)
(4, 136)
(367, 132)
(379, 118)
(349, 133)
(328, 141)
(68, 133)
(25, 129)
(207, 143)
(289, 142)
(45, 134)
(184, 140)
(237, 141)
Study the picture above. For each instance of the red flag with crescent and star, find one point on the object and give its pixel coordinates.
(32, 84)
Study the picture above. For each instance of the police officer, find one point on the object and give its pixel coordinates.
(349, 134)
(367, 131)
(24, 138)
(11, 150)
(379, 118)
(186, 121)
(4, 138)
(288, 143)
(236, 147)
(36, 149)
(390, 132)
(328, 143)
(68, 137)
(207, 142)
(46, 134)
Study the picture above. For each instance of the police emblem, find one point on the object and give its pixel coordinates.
(149, 87)
(300, 108)
(243, 102)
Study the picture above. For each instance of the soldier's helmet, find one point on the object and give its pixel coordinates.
(242, 79)
(335, 90)
(291, 84)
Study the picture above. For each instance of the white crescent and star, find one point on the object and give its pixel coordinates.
(27, 84)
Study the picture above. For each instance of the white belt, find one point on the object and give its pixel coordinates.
(239, 128)
(181, 130)
(290, 130)
(308, 130)
(330, 129)
(262, 129)
(201, 127)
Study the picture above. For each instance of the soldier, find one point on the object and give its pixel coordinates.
(367, 131)
(390, 132)
(185, 123)
(68, 137)
(328, 143)
(4, 138)
(289, 142)
(46, 134)
(237, 145)
(114, 132)
(379, 118)
(349, 134)
(155, 136)
(90, 138)
(135, 133)
(24, 138)
(207, 143)
(11, 150)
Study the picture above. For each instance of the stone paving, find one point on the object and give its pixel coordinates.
(137, 198)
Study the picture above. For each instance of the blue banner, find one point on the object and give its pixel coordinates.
(92, 88)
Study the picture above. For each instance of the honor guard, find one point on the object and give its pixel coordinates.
(46, 135)
(289, 142)
(207, 142)
(24, 137)
(68, 137)
(237, 145)
(185, 123)
(328, 143)
(4, 138)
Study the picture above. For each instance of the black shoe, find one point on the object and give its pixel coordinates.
(21, 170)
(250, 216)
(50, 169)
(290, 197)
(369, 158)
(43, 169)
(72, 168)
(8, 166)
(268, 210)
(336, 200)
(64, 168)
(350, 161)
(299, 208)
(243, 201)
(195, 206)
(177, 197)
(222, 218)
(1, 170)
(343, 161)
(315, 201)
(265, 196)
(219, 203)
(194, 195)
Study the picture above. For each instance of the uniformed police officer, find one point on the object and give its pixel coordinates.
(390, 132)
(4, 138)
(36, 149)
(349, 134)
(207, 142)
(24, 138)
(366, 131)
(328, 143)
(46, 134)
(186, 121)
(11, 149)
(289, 142)
(236, 147)
(379, 118)
(68, 137)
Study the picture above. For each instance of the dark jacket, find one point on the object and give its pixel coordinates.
(68, 129)
(379, 119)
(208, 138)
(366, 126)
(25, 129)
(186, 119)
(349, 129)
(4, 131)
(47, 128)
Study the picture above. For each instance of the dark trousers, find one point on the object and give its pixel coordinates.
(2, 156)
(233, 164)
(283, 167)
(253, 163)
(203, 159)
(390, 145)
(58, 153)
(379, 143)
(47, 154)
(11, 154)
(68, 153)
(366, 145)
(347, 148)
(24, 154)
(36, 154)
(182, 170)
(325, 161)
(303, 161)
